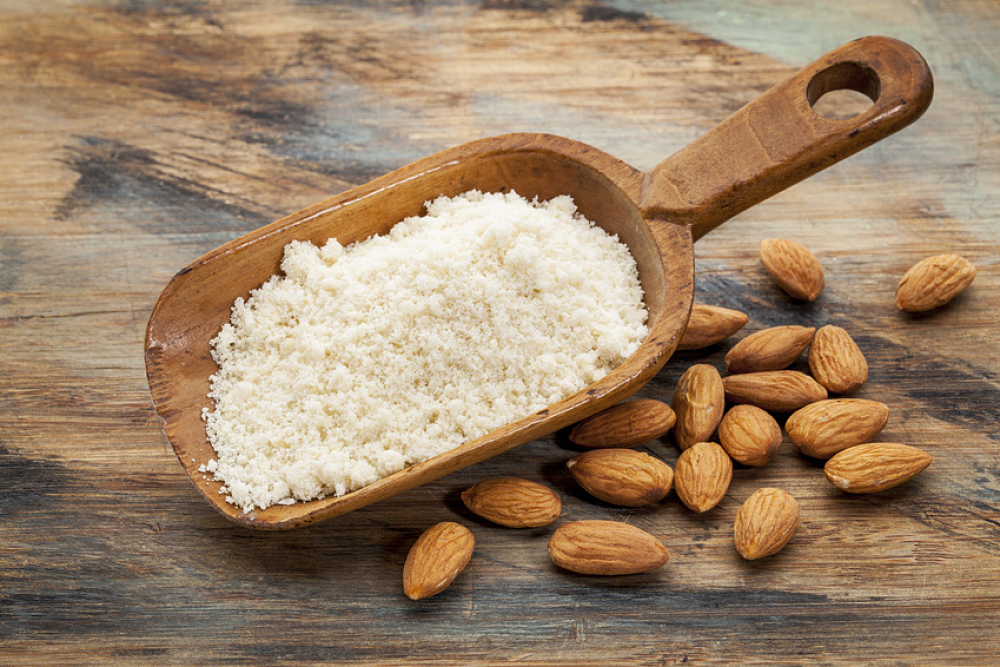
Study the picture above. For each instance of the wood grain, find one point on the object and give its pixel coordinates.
(138, 136)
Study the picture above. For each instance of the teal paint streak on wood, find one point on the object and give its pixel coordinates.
(793, 32)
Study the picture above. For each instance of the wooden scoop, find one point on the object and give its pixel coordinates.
(760, 150)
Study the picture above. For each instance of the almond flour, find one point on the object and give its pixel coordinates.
(360, 361)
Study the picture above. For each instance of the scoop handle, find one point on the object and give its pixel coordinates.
(778, 139)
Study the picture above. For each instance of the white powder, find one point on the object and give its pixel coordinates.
(360, 361)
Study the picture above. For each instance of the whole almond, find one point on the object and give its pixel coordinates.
(513, 502)
(836, 361)
(702, 475)
(769, 350)
(933, 282)
(606, 548)
(699, 401)
(875, 466)
(776, 391)
(436, 558)
(622, 477)
(709, 325)
(824, 428)
(627, 424)
(793, 268)
(765, 523)
(749, 435)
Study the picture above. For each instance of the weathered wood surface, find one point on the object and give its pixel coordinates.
(136, 136)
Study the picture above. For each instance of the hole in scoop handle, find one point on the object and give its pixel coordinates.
(778, 139)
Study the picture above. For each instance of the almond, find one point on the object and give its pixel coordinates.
(699, 401)
(513, 502)
(777, 391)
(875, 466)
(765, 523)
(824, 428)
(749, 435)
(622, 477)
(702, 476)
(836, 360)
(606, 548)
(436, 558)
(933, 282)
(627, 424)
(769, 350)
(709, 325)
(793, 268)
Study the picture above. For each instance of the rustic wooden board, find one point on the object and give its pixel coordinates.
(137, 136)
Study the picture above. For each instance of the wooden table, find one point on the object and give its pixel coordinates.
(137, 136)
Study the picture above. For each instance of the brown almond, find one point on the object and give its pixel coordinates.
(749, 435)
(765, 523)
(836, 361)
(606, 548)
(699, 401)
(823, 428)
(793, 268)
(709, 325)
(933, 282)
(702, 476)
(875, 466)
(622, 477)
(769, 350)
(513, 502)
(627, 424)
(437, 557)
(776, 391)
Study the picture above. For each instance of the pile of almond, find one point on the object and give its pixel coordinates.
(716, 419)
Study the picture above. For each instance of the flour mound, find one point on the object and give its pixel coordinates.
(360, 361)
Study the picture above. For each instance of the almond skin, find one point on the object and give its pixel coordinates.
(622, 477)
(793, 268)
(875, 466)
(769, 350)
(699, 402)
(606, 548)
(627, 424)
(836, 361)
(824, 428)
(765, 523)
(933, 282)
(436, 559)
(709, 325)
(702, 476)
(513, 502)
(775, 391)
(749, 435)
